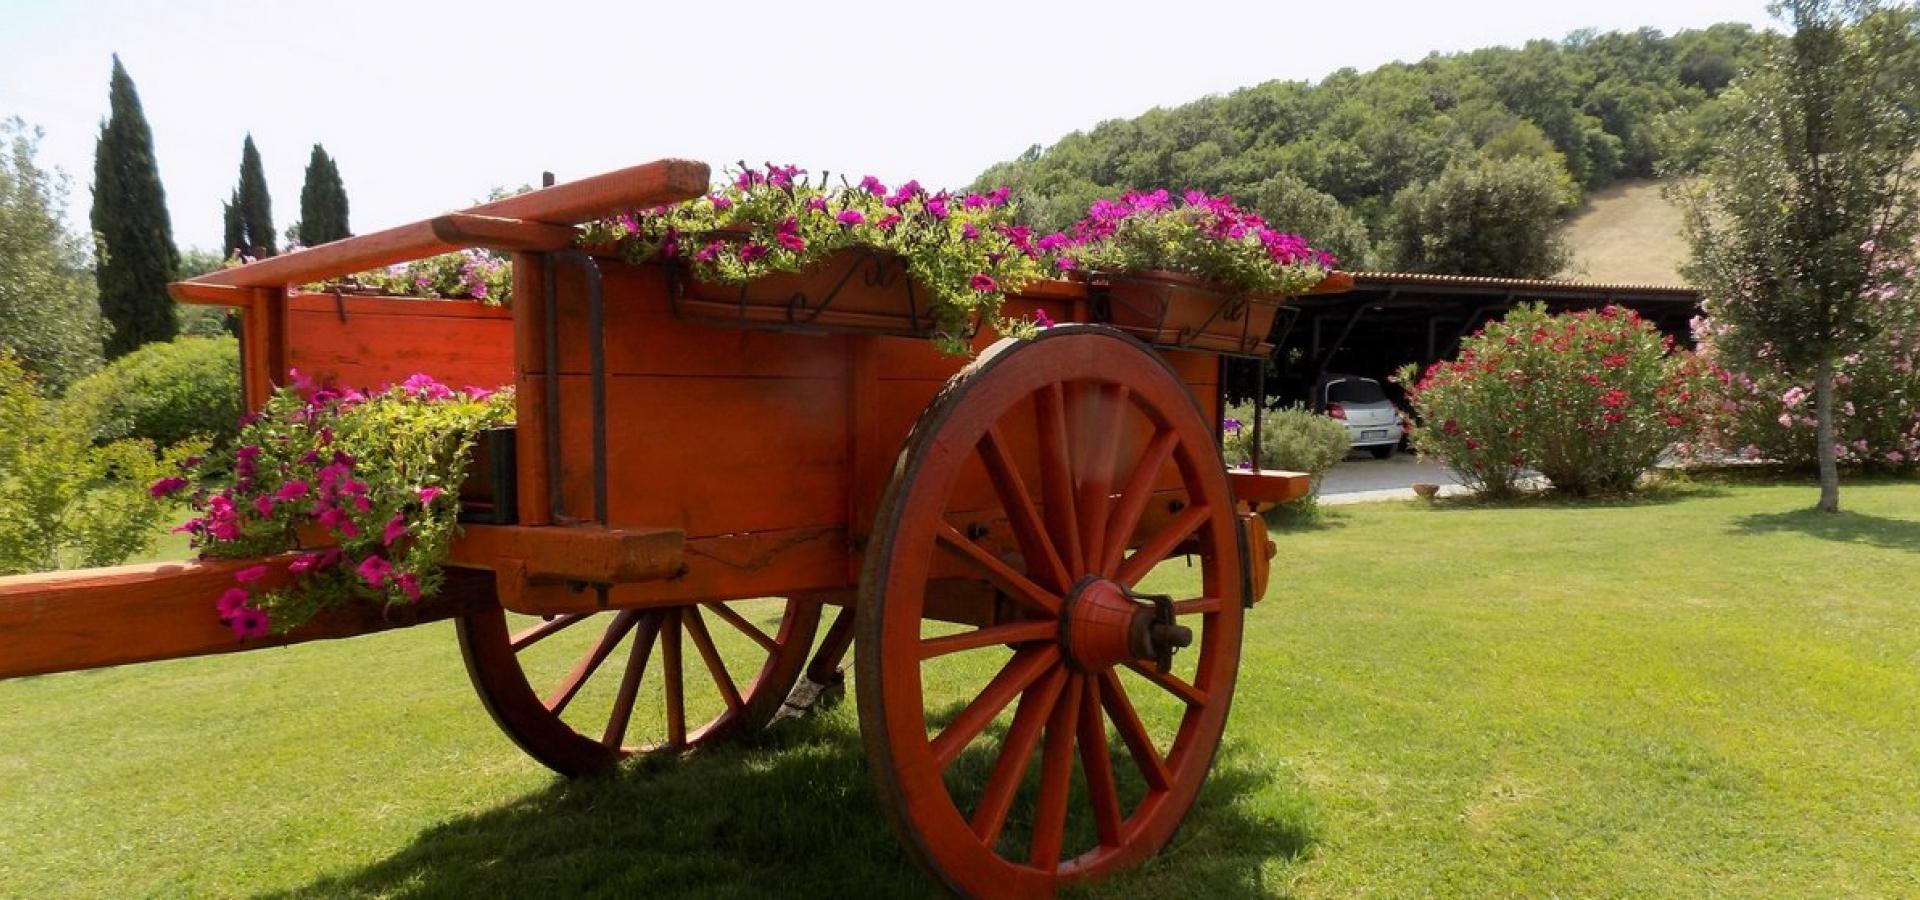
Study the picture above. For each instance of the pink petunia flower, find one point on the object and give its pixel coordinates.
(249, 622)
(167, 487)
(395, 530)
(374, 571)
(231, 602)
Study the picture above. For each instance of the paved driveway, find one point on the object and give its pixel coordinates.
(1361, 478)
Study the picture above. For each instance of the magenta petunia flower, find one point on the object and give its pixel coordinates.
(409, 585)
(250, 574)
(395, 530)
(263, 505)
(249, 622)
(969, 232)
(1041, 318)
(887, 222)
(873, 186)
(374, 571)
(850, 217)
(303, 563)
(231, 602)
(291, 491)
(983, 283)
(750, 252)
(937, 207)
(427, 494)
(1065, 264)
(721, 203)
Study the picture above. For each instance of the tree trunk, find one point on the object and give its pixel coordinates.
(1823, 437)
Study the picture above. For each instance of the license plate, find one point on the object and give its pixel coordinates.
(1373, 435)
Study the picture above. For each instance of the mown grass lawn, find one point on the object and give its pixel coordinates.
(1707, 693)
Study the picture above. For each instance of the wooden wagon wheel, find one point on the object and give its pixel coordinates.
(576, 727)
(1074, 440)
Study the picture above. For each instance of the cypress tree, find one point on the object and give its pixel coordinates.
(323, 201)
(252, 207)
(136, 257)
(235, 233)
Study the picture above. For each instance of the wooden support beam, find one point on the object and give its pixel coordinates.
(588, 554)
(496, 233)
(651, 184)
(199, 294)
(1269, 486)
(94, 618)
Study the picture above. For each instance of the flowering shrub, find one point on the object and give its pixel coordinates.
(964, 249)
(1767, 412)
(1589, 400)
(378, 475)
(1207, 237)
(463, 275)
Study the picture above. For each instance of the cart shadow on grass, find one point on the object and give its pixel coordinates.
(790, 813)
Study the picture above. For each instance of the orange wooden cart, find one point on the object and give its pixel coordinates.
(669, 471)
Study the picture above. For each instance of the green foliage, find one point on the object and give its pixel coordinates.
(1484, 217)
(1804, 195)
(64, 501)
(1328, 224)
(380, 474)
(323, 201)
(1293, 438)
(164, 393)
(1589, 400)
(248, 216)
(1600, 102)
(136, 256)
(962, 250)
(49, 319)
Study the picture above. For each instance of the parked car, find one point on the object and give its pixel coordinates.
(1362, 404)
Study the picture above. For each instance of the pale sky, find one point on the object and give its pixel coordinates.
(428, 105)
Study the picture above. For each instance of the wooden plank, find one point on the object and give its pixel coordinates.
(93, 618)
(198, 294)
(649, 184)
(462, 344)
(574, 553)
(724, 567)
(1269, 486)
(498, 233)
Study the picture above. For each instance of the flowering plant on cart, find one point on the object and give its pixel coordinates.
(374, 477)
(1204, 236)
(964, 249)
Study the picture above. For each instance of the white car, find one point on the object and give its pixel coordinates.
(1362, 405)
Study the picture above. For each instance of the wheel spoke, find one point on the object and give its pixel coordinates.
(739, 622)
(1113, 696)
(1023, 669)
(1036, 706)
(1134, 497)
(1028, 530)
(570, 686)
(1199, 606)
(1101, 790)
(1188, 694)
(536, 633)
(1161, 544)
(1018, 586)
(644, 634)
(716, 666)
(1012, 633)
(1056, 475)
(671, 671)
(1056, 776)
(1106, 428)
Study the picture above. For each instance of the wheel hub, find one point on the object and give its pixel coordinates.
(1105, 624)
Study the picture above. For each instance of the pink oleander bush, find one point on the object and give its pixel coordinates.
(377, 474)
(1590, 400)
(1765, 412)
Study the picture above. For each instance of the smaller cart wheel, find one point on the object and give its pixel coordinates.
(1063, 471)
(537, 677)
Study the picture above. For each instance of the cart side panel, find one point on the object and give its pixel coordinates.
(712, 430)
(370, 342)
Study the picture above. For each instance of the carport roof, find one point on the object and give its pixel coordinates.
(1520, 288)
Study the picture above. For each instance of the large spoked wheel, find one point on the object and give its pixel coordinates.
(1062, 471)
(538, 677)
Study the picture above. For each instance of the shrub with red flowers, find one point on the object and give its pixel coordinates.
(963, 248)
(1588, 399)
(1199, 235)
(377, 474)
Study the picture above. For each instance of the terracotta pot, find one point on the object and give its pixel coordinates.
(1169, 309)
(1426, 491)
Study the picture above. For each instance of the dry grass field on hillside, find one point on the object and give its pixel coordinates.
(1627, 232)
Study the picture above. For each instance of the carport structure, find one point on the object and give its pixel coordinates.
(1389, 319)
